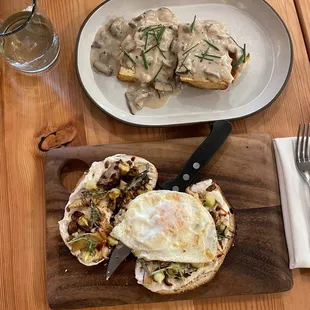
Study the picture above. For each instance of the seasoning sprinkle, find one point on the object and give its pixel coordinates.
(212, 45)
(127, 54)
(190, 49)
(193, 24)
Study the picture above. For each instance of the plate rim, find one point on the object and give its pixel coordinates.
(192, 122)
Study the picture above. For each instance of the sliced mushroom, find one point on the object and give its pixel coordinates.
(106, 69)
(163, 86)
(72, 228)
(76, 215)
(96, 44)
(118, 28)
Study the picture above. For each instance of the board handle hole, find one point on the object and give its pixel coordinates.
(71, 172)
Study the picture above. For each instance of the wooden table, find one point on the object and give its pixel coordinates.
(34, 106)
(303, 10)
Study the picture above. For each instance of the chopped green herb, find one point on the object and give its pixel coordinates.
(212, 45)
(182, 64)
(147, 37)
(127, 54)
(146, 65)
(244, 53)
(237, 63)
(193, 24)
(149, 49)
(221, 234)
(156, 75)
(190, 49)
(161, 51)
(214, 56)
(203, 57)
(160, 34)
(205, 52)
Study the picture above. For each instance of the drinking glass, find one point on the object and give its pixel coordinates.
(28, 40)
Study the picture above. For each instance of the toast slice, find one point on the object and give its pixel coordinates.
(208, 57)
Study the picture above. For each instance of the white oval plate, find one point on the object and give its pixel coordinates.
(252, 22)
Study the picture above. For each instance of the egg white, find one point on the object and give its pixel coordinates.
(168, 226)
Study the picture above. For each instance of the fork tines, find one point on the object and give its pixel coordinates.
(302, 145)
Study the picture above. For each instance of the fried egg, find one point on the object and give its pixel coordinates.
(168, 226)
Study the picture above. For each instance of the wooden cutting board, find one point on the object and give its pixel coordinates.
(244, 168)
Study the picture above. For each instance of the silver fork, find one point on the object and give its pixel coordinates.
(302, 152)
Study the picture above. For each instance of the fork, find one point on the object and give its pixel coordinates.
(302, 152)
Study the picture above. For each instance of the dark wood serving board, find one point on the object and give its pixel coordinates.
(244, 168)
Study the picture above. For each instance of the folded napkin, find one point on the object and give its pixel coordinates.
(295, 200)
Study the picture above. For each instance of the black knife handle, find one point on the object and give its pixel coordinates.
(219, 133)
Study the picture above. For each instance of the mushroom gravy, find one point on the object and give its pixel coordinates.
(153, 50)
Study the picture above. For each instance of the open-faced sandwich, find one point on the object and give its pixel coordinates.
(180, 239)
(100, 201)
(155, 54)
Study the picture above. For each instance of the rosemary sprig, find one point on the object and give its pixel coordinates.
(95, 215)
(190, 49)
(91, 243)
(193, 24)
(127, 54)
(146, 65)
(212, 45)
(143, 175)
(203, 57)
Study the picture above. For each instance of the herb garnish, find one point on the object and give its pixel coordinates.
(162, 53)
(160, 34)
(242, 59)
(193, 24)
(91, 244)
(156, 75)
(182, 64)
(147, 37)
(205, 52)
(143, 175)
(244, 53)
(203, 57)
(146, 65)
(95, 215)
(127, 54)
(190, 49)
(212, 45)
(149, 49)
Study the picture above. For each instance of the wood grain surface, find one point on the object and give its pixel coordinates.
(259, 258)
(303, 10)
(32, 107)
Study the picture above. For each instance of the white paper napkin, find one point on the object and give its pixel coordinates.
(295, 200)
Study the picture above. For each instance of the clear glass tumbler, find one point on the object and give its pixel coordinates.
(28, 40)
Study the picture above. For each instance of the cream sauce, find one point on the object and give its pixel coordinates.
(155, 50)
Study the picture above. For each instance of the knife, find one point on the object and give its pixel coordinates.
(219, 133)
